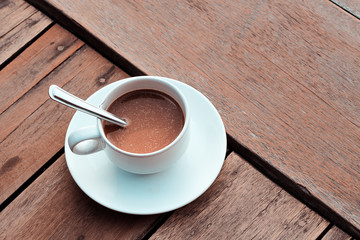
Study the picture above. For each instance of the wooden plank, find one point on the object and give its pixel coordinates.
(54, 207)
(336, 233)
(8, 7)
(36, 139)
(284, 76)
(242, 204)
(17, 79)
(13, 13)
(352, 6)
(23, 23)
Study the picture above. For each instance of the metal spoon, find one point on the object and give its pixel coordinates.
(60, 95)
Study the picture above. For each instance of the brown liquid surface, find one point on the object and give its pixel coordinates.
(154, 121)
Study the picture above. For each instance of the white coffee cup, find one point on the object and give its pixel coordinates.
(140, 163)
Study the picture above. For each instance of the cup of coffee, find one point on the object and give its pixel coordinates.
(157, 133)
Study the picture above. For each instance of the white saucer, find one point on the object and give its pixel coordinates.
(191, 175)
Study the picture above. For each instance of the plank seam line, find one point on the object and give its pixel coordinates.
(84, 35)
(326, 230)
(82, 46)
(344, 9)
(293, 188)
(97, 40)
(132, 68)
(25, 46)
(13, 10)
(228, 152)
(24, 118)
(154, 227)
(31, 179)
(291, 77)
(35, 11)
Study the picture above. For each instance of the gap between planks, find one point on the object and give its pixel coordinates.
(245, 153)
(31, 179)
(294, 189)
(54, 61)
(239, 151)
(167, 215)
(302, 221)
(84, 35)
(83, 67)
(50, 162)
(24, 25)
(24, 47)
(350, 7)
(3, 138)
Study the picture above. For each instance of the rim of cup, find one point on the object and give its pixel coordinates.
(183, 105)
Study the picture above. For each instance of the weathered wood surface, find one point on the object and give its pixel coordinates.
(336, 234)
(242, 204)
(20, 22)
(37, 61)
(51, 205)
(352, 6)
(34, 127)
(283, 74)
(54, 207)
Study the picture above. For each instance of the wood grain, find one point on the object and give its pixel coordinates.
(352, 6)
(242, 204)
(336, 233)
(54, 207)
(283, 74)
(20, 91)
(35, 63)
(21, 22)
(36, 139)
(13, 13)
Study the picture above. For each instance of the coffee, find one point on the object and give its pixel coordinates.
(154, 121)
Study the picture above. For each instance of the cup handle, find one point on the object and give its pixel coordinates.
(86, 140)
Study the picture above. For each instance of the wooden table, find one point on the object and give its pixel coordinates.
(284, 76)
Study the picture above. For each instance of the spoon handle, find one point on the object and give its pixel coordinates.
(60, 95)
